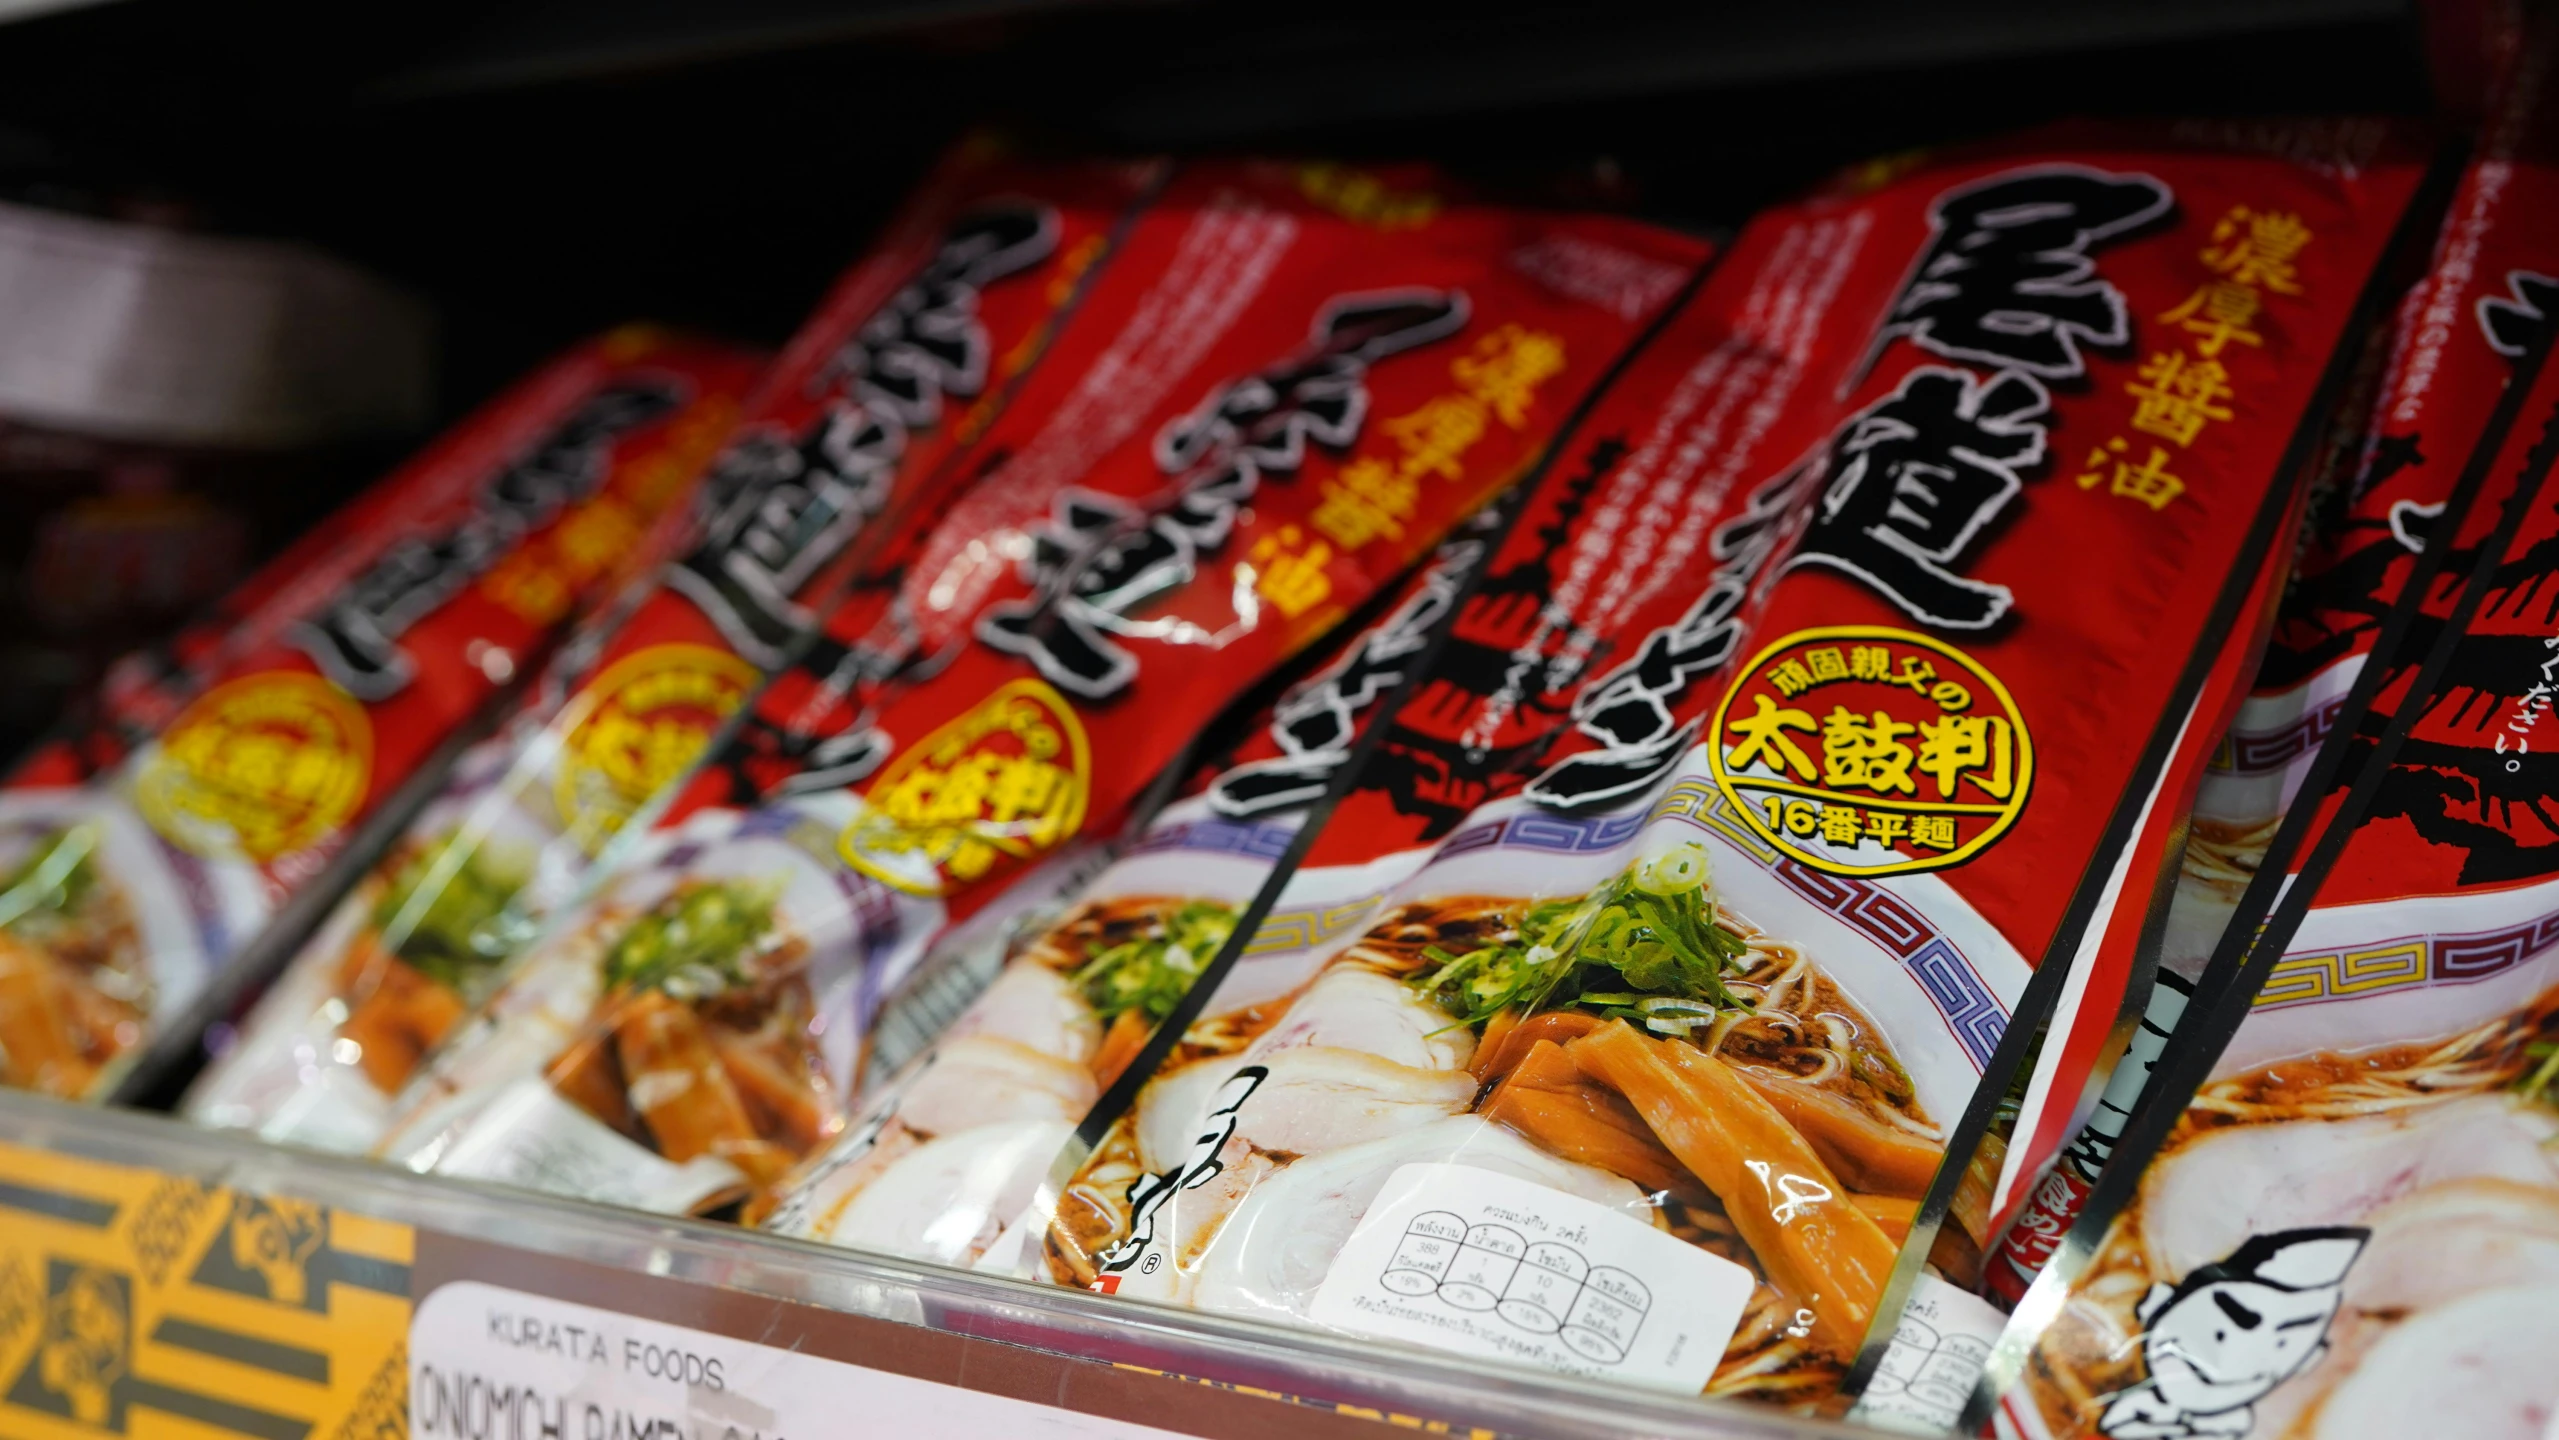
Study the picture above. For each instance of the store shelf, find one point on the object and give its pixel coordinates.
(1077, 1355)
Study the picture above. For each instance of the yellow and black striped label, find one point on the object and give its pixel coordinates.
(136, 1303)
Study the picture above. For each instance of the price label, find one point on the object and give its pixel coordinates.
(487, 1363)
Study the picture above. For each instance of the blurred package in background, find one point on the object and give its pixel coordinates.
(173, 406)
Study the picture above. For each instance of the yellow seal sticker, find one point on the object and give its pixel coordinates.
(641, 724)
(262, 766)
(1008, 779)
(1862, 750)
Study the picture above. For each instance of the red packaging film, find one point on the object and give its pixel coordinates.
(2359, 1141)
(2093, 1023)
(1635, 558)
(144, 691)
(1283, 391)
(1633, 1054)
(2021, 1181)
(2365, 594)
(852, 433)
(142, 897)
(965, 1120)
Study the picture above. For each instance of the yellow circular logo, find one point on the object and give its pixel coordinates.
(1006, 780)
(262, 766)
(643, 723)
(1864, 750)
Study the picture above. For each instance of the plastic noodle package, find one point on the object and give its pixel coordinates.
(855, 431)
(947, 1152)
(2357, 1147)
(1591, 595)
(138, 903)
(1637, 1061)
(1269, 405)
(143, 692)
(2367, 594)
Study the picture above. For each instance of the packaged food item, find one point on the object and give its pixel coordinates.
(1919, 1378)
(1636, 559)
(1282, 393)
(1638, 1063)
(2367, 592)
(110, 545)
(947, 1151)
(2008, 1181)
(2345, 1218)
(854, 432)
(143, 691)
(142, 901)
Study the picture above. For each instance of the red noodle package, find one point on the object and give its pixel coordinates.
(849, 435)
(2006, 1190)
(2438, 418)
(134, 897)
(1280, 394)
(948, 1150)
(142, 692)
(1631, 1052)
(2345, 1220)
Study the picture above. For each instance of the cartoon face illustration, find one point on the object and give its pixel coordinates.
(82, 1354)
(2235, 1343)
(275, 1239)
(2224, 1337)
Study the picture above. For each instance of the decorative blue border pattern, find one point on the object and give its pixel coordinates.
(2254, 753)
(1531, 830)
(204, 900)
(1219, 837)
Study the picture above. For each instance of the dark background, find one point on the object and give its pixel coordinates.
(548, 167)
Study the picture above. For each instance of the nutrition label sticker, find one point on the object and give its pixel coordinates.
(531, 1137)
(1937, 1353)
(1471, 1260)
(487, 1363)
